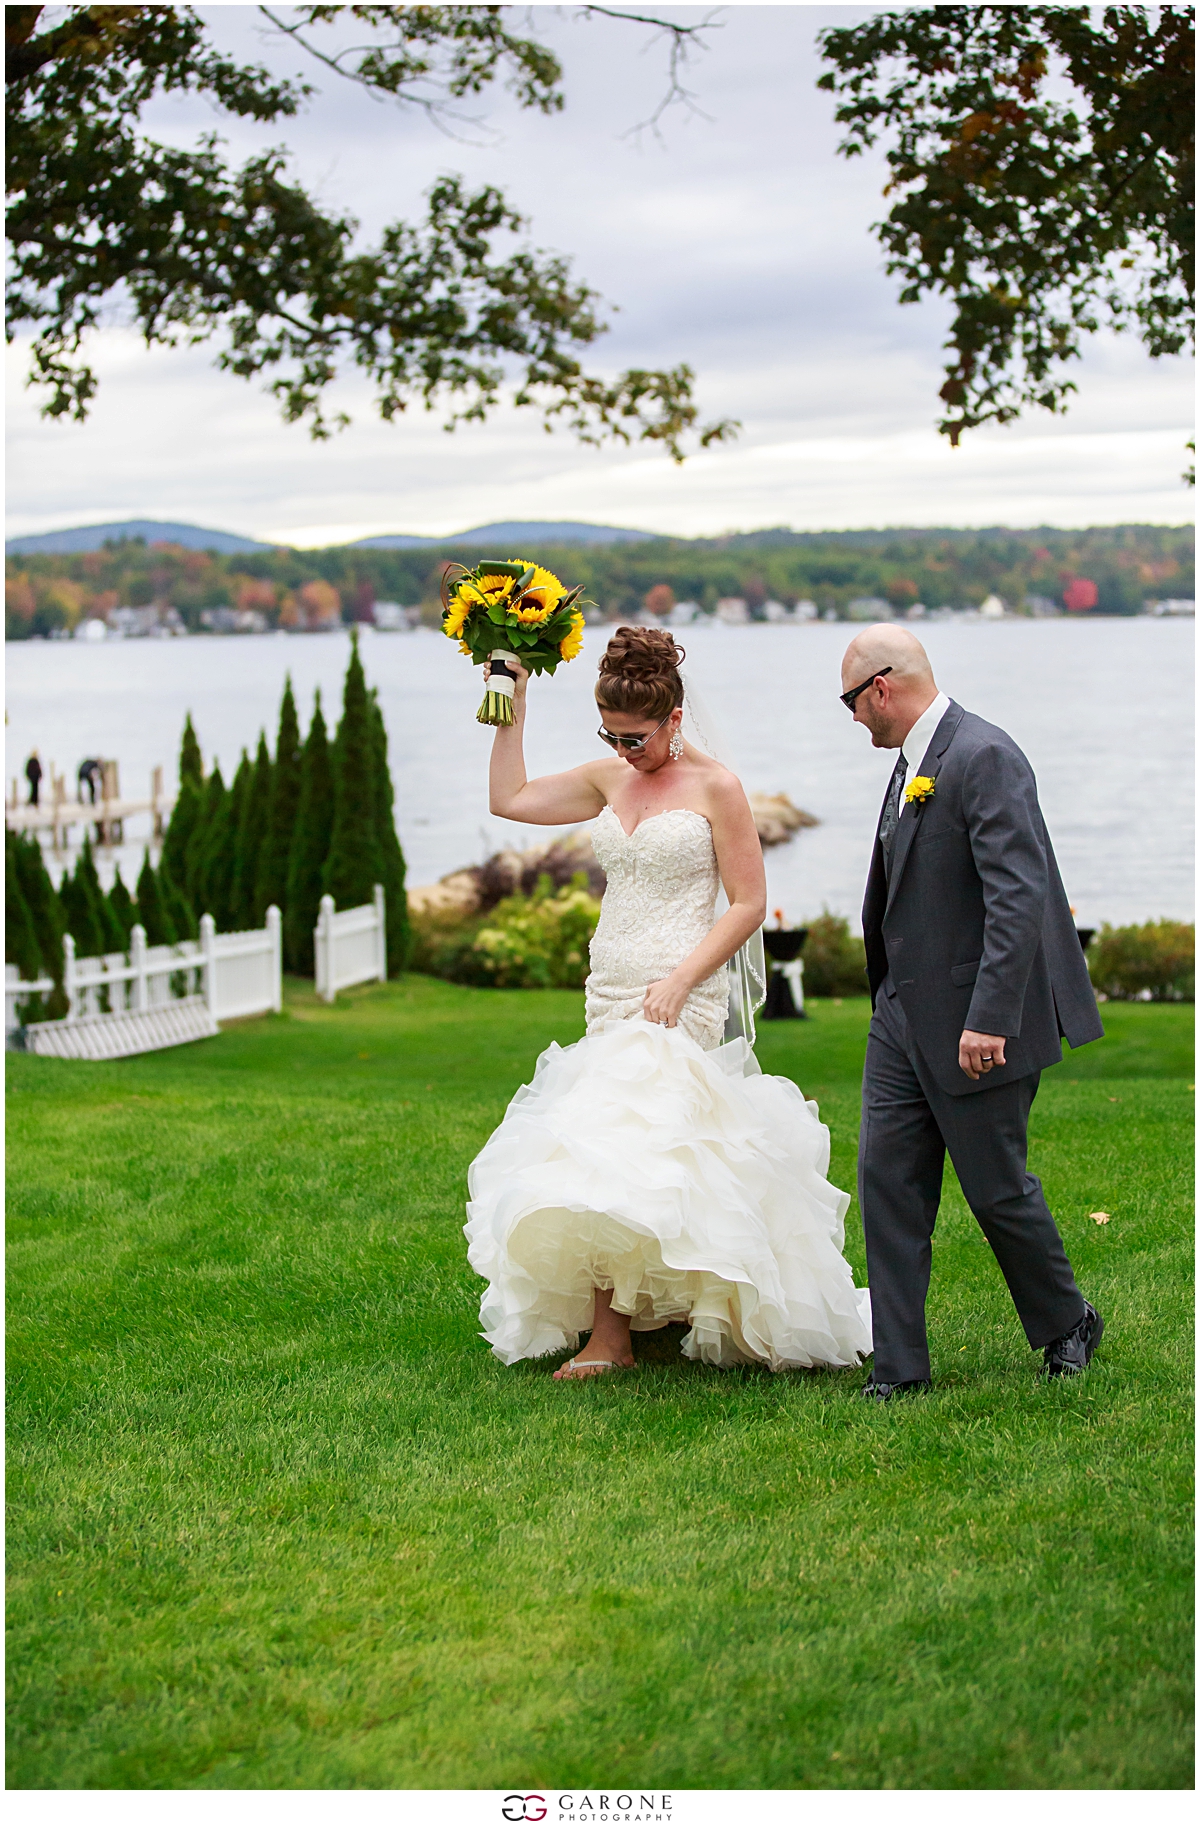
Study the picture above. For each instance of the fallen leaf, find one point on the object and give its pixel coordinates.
(1100, 1217)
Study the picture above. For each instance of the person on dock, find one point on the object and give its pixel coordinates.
(89, 771)
(33, 771)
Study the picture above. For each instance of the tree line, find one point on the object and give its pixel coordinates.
(316, 816)
(318, 588)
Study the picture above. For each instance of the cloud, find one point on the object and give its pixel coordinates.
(742, 245)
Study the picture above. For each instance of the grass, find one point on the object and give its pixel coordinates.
(278, 1519)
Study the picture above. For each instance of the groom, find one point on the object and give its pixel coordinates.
(976, 976)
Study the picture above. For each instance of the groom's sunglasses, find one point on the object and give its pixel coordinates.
(633, 742)
(851, 696)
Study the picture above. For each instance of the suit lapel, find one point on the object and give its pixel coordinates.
(947, 727)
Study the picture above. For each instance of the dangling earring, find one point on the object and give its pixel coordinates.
(676, 747)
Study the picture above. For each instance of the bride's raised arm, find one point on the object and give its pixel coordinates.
(566, 796)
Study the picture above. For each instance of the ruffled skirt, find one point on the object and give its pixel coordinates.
(687, 1182)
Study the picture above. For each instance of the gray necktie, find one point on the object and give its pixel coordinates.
(891, 814)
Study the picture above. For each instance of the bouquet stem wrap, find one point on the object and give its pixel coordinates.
(497, 707)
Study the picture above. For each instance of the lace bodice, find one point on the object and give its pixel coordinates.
(659, 905)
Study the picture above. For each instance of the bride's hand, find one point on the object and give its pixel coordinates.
(664, 1001)
(519, 671)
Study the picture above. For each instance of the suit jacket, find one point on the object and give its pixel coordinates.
(975, 928)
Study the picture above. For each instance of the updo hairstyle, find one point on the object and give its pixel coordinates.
(639, 673)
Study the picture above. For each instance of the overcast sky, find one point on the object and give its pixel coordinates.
(740, 244)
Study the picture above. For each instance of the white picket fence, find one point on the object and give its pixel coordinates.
(350, 946)
(119, 1005)
(153, 997)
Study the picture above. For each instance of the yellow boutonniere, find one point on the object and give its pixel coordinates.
(919, 791)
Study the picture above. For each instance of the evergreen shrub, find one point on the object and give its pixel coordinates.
(1145, 961)
(537, 941)
(835, 962)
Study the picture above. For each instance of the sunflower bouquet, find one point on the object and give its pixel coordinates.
(515, 609)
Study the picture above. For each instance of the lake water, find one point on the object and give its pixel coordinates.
(1103, 709)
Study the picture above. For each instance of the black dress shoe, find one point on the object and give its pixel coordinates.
(878, 1390)
(1068, 1356)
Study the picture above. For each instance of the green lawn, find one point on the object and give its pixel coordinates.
(279, 1520)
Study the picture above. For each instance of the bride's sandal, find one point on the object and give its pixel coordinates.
(590, 1368)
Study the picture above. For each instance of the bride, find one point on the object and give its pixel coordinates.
(650, 1172)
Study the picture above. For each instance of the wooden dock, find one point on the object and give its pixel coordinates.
(108, 814)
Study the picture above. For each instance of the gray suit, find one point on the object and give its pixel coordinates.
(967, 926)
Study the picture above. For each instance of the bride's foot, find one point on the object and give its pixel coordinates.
(584, 1367)
(609, 1348)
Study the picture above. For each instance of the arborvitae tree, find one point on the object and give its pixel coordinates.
(123, 906)
(354, 865)
(87, 880)
(185, 816)
(196, 860)
(272, 881)
(251, 835)
(216, 887)
(21, 947)
(310, 844)
(390, 854)
(178, 909)
(152, 913)
(37, 887)
(191, 765)
(81, 916)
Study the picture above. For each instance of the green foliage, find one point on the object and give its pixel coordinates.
(835, 962)
(253, 811)
(196, 248)
(215, 882)
(153, 915)
(272, 876)
(313, 1536)
(391, 859)
(21, 947)
(177, 908)
(212, 811)
(186, 814)
(353, 865)
(310, 845)
(1042, 158)
(191, 765)
(123, 907)
(1148, 960)
(79, 918)
(89, 890)
(537, 941)
(45, 907)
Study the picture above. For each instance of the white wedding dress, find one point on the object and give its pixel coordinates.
(660, 1163)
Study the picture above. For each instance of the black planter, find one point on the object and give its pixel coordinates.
(782, 945)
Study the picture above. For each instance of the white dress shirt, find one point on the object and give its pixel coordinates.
(919, 736)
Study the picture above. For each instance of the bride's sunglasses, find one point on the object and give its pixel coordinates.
(633, 742)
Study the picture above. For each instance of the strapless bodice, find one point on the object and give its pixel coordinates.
(659, 905)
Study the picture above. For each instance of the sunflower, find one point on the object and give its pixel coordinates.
(540, 600)
(494, 588)
(456, 615)
(572, 645)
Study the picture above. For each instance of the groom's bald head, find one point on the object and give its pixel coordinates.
(894, 703)
(877, 646)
